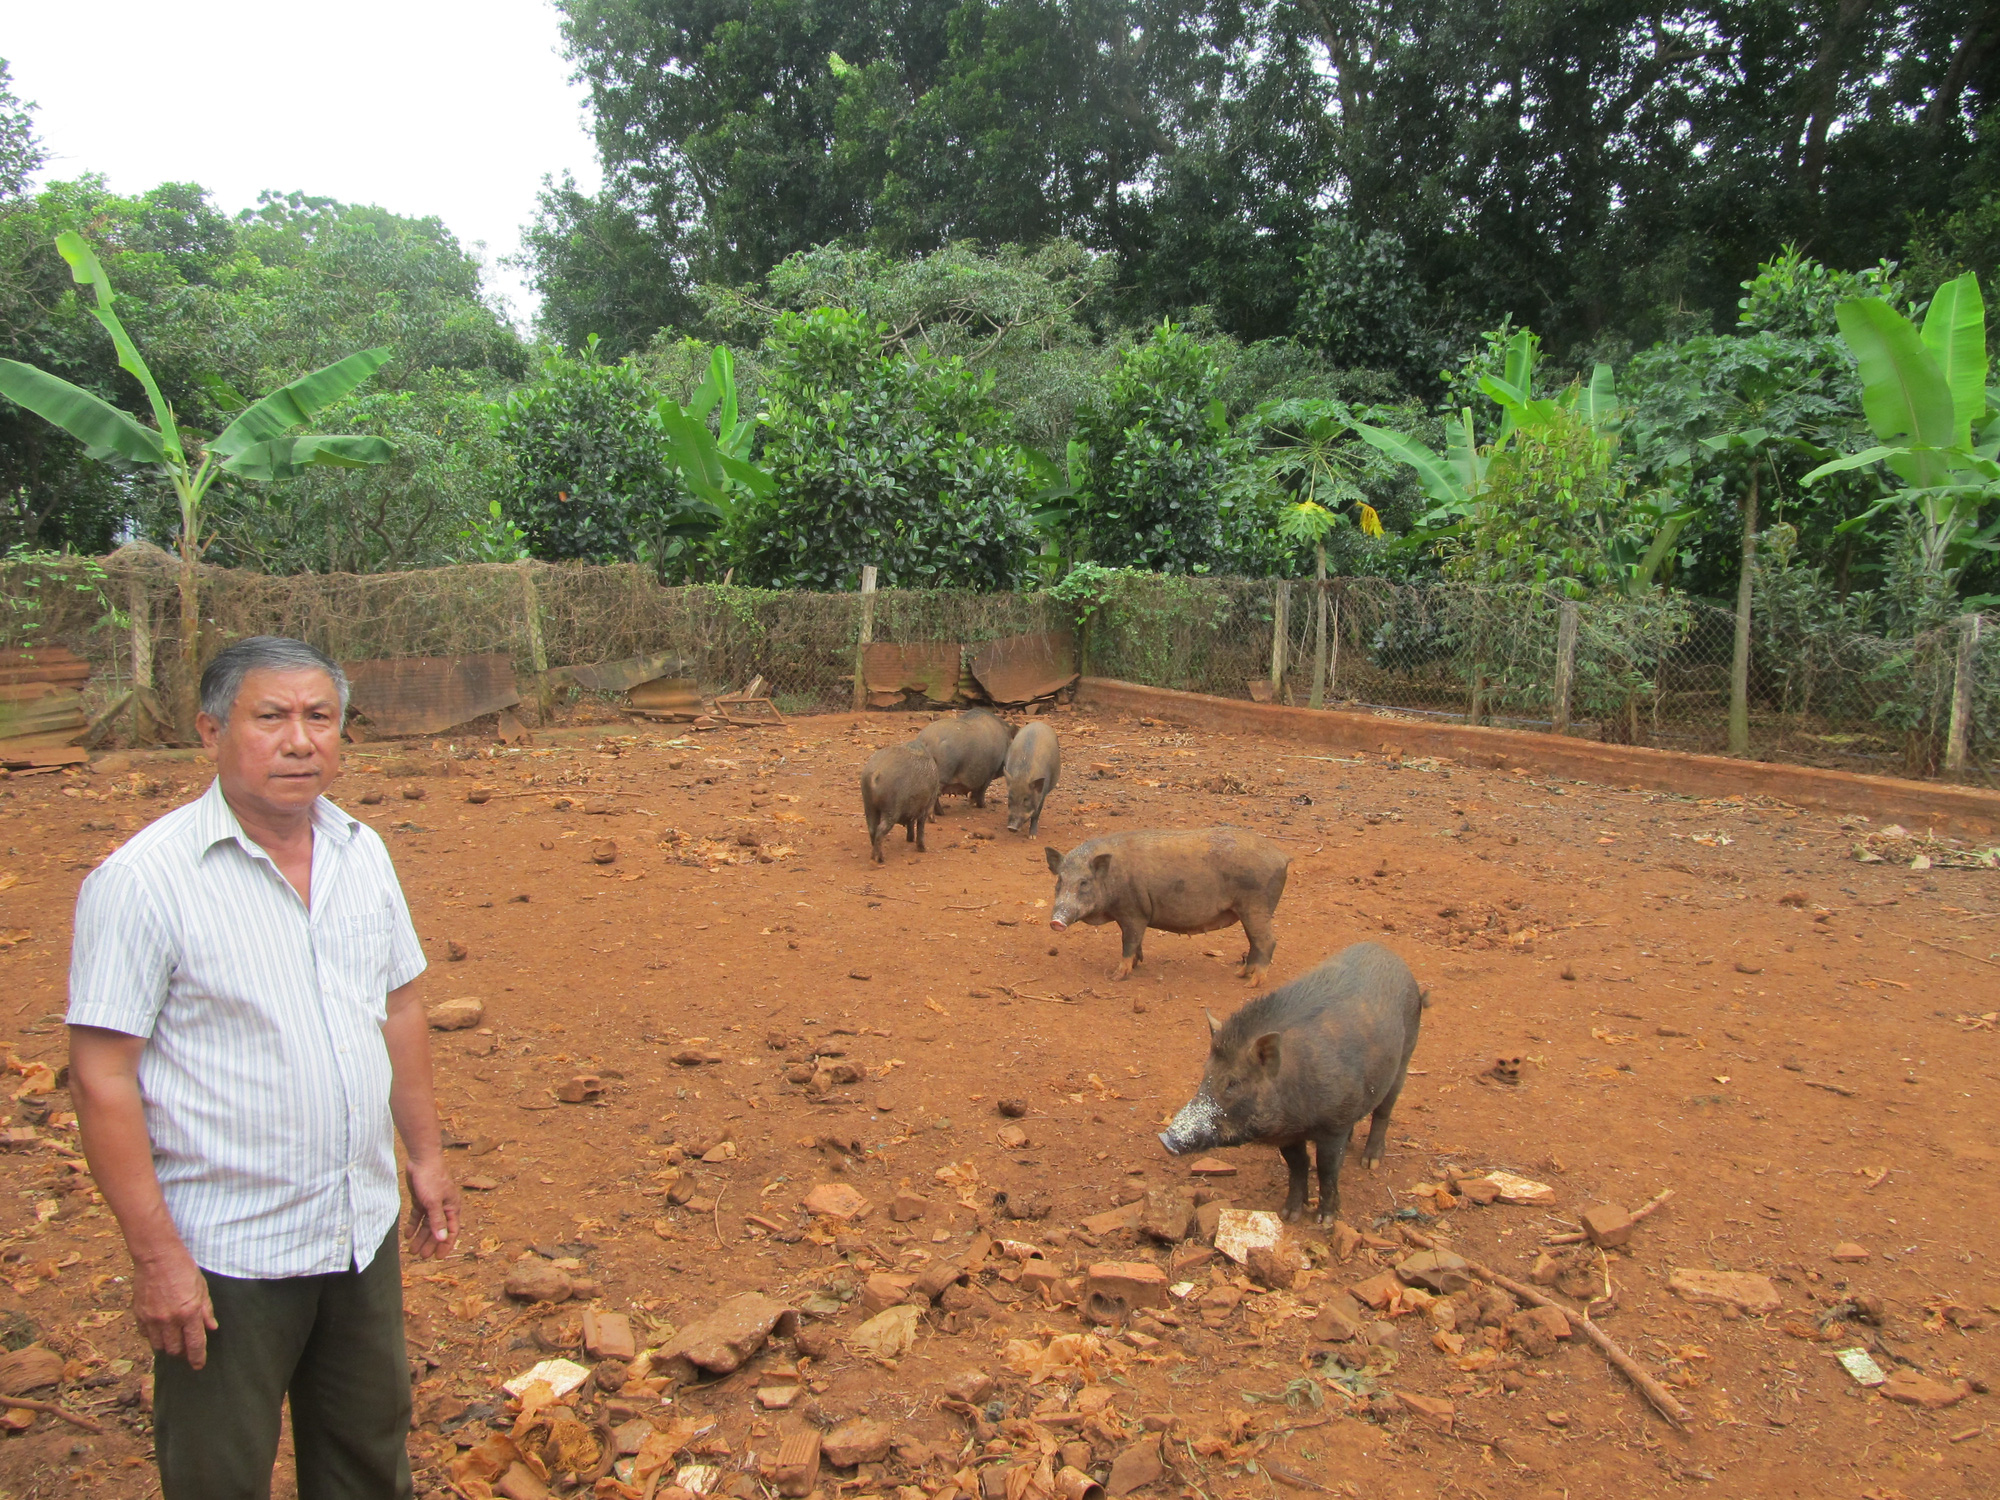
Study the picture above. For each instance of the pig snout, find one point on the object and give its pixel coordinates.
(1057, 924)
(1198, 1127)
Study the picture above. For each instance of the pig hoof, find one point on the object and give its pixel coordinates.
(1123, 971)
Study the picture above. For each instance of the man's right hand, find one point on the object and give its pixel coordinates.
(170, 1300)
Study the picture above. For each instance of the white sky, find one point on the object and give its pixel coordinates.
(456, 108)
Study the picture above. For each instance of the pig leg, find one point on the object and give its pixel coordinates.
(875, 844)
(1331, 1152)
(921, 819)
(1263, 943)
(1134, 933)
(1378, 1130)
(979, 794)
(1295, 1195)
(1035, 821)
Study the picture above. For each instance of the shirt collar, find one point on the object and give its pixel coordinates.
(215, 821)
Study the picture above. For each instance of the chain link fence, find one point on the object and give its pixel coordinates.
(1653, 670)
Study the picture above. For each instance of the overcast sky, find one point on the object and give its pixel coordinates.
(456, 108)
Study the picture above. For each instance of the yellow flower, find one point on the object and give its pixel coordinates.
(1371, 524)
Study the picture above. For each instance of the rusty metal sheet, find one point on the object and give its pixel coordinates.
(931, 667)
(666, 694)
(427, 694)
(1022, 668)
(617, 676)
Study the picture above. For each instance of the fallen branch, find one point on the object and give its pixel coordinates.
(1578, 1237)
(981, 907)
(1024, 995)
(1954, 952)
(1653, 1391)
(24, 1404)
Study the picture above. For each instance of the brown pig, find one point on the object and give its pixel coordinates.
(1196, 881)
(970, 750)
(898, 785)
(1034, 761)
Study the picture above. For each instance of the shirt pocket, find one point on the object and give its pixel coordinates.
(354, 960)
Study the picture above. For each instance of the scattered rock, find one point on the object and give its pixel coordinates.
(1429, 1410)
(1168, 1217)
(457, 1015)
(1437, 1271)
(974, 1387)
(1337, 1321)
(478, 794)
(858, 1440)
(1376, 1291)
(932, 1281)
(535, 1280)
(608, 1335)
(1111, 1221)
(1607, 1225)
(796, 1472)
(1524, 1190)
(1137, 1466)
(1912, 1389)
(1113, 1289)
(581, 1089)
(1847, 1253)
(725, 1338)
(1013, 1109)
(456, 952)
(1208, 1216)
(1273, 1267)
(883, 1291)
(1210, 1166)
(603, 851)
(1744, 1290)
(907, 1208)
(413, 793)
(1346, 1239)
(1238, 1230)
(836, 1200)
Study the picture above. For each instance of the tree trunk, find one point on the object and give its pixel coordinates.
(1823, 91)
(1318, 699)
(1739, 666)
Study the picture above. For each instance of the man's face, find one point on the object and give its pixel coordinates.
(281, 746)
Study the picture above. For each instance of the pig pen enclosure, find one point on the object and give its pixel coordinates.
(882, 1123)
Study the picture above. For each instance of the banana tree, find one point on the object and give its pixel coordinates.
(1313, 460)
(259, 444)
(1938, 427)
(715, 466)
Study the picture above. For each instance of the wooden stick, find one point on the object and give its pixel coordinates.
(1637, 1214)
(1653, 1391)
(52, 1409)
(1954, 952)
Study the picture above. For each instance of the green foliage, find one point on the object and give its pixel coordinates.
(590, 472)
(1359, 301)
(608, 265)
(1794, 296)
(882, 457)
(1156, 491)
(26, 605)
(21, 154)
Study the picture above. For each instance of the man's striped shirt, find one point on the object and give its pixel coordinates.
(265, 1076)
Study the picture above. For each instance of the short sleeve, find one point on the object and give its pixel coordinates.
(406, 951)
(122, 956)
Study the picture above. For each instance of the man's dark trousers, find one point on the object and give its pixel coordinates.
(334, 1344)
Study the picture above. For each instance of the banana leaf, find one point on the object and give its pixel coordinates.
(1436, 476)
(290, 405)
(86, 270)
(1903, 392)
(289, 457)
(101, 427)
(1955, 334)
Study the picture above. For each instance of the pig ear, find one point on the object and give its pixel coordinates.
(1214, 1026)
(1099, 863)
(1038, 784)
(1055, 861)
(1264, 1051)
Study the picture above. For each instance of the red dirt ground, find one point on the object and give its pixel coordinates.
(1710, 996)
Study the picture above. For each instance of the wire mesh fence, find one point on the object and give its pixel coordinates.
(1653, 670)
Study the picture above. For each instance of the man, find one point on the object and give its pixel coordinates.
(244, 1028)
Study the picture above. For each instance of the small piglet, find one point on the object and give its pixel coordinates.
(970, 749)
(898, 785)
(1197, 881)
(1033, 762)
(1307, 1062)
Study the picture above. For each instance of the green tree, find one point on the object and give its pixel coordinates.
(880, 457)
(21, 152)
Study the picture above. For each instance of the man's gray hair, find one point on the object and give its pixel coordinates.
(223, 678)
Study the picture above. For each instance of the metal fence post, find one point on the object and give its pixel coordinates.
(1333, 651)
(1280, 637)
(1961, 694)
(866, 635)
(1565, 663)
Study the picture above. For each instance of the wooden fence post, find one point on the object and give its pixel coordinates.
(139, 606)
(1333, 649)
(538, 654)
(866, 635)
(1960, 732)
(1280, 638)
(1565, 663)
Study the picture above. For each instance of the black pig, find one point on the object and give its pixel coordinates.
(1307, 1062)
(970, 750)
(898, 785)
(1034, 761)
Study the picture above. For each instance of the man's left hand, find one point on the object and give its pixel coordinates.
(433, 1209)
